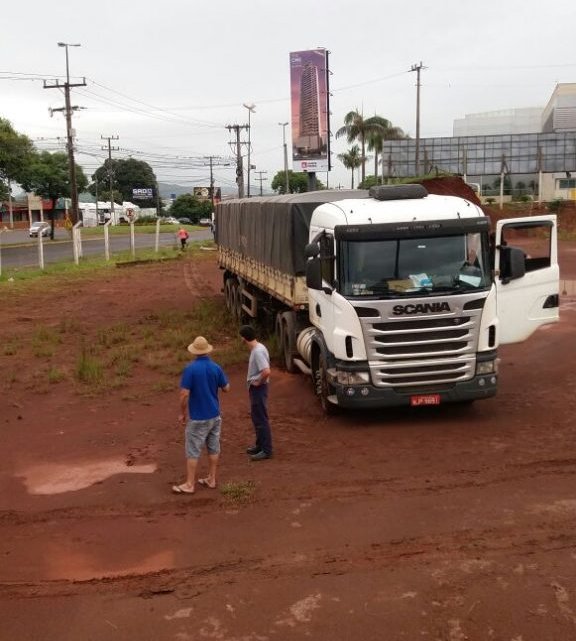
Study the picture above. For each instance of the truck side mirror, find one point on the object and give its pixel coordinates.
(512, 263)
(311, 250)
(313, 274)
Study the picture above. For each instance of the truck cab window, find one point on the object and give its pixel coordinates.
(535, 240)
(327, 258)
(433, 265)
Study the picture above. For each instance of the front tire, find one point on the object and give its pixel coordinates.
(323, 388)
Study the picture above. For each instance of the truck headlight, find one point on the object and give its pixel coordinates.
(486, 367)
(352, 378)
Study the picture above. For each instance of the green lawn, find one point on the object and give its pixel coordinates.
(123, 230)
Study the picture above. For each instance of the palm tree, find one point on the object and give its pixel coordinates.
(375, 139)
(352, 160)
(356, 127)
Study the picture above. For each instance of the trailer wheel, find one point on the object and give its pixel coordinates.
(238, 311)
(228, 294)
(234, 299)
(323, 388)
(279, 334)
(288, 341)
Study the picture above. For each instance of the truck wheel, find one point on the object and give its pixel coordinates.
(228, 294)
(288, 340)
(238, 311)
(279, 334)
(323, 387)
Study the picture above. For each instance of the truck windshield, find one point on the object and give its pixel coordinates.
(422, 266)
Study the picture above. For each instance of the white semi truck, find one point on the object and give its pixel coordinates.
(389, 297)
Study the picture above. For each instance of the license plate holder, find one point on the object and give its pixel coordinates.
(424, 399)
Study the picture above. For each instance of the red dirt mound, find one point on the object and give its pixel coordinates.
(450, 186)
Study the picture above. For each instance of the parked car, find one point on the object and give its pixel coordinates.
(39, 227)
(170, 220)
(205, 222)
(185, 221)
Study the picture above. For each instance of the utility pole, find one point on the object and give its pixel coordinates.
(251, 109)
(286, 178)
(110, 171)
(56, 84)
(237, 146)
(214, 161)
(261, 179)
(417, 68)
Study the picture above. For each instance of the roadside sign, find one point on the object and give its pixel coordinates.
(130, 214)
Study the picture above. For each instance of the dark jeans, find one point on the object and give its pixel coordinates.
(259, 413)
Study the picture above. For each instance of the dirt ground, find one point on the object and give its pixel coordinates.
(447, 523)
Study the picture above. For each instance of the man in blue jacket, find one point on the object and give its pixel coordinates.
(201, 380)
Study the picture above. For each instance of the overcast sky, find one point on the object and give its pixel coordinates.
(167, 77)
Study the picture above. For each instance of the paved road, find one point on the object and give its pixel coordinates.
(27, 256)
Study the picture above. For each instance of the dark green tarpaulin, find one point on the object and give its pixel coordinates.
(273, 230)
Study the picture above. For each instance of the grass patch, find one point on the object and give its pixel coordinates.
(124, 230)
(238, 492)
(10, 348)
(88, 368)
(55, 375)
(44, 342)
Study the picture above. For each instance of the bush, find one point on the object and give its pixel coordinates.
(145, 220)
(554, 205)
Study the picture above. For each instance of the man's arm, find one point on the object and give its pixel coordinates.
(184, 394)
(226, 387)
(263, 376)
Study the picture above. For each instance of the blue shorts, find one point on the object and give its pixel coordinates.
(199, 433)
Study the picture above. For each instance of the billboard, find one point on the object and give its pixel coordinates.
(309, 103)
(205, 193)
(142, 193)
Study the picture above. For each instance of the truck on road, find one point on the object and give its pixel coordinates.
(389, 297)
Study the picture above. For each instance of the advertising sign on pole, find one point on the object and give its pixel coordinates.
(142, 193)
(310, 111)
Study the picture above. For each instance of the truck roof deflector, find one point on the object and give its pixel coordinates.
(398, 192)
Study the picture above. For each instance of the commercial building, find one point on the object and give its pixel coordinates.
(489, 149)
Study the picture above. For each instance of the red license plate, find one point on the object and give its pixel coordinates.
(425, 399)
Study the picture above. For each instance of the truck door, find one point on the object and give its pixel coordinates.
(526, 276)
(321, 303)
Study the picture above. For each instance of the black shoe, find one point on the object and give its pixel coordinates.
(260, 456)
(253, 450)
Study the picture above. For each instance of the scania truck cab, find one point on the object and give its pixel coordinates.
(410, 295)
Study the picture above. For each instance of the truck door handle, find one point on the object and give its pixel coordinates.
(318, 310)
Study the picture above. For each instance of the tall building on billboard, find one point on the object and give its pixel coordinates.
(310, 140)
(310, 110)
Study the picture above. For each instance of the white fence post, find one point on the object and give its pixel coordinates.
(107, 238)
(40, 249)
(77, 241)
(157, 242)
(1, 232)
(132, 243)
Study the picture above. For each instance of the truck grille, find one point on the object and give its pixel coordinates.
(432, 350)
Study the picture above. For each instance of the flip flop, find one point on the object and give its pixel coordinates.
(205, 483)
(180, 489)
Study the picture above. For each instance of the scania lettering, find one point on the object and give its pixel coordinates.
(426, 308)
(389, 297)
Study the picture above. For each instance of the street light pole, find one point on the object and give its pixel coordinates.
(286, 179)
(251, 109)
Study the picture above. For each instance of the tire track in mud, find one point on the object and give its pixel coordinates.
(197, 286)
(492, 544)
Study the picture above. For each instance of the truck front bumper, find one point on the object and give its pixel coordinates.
(368, 396)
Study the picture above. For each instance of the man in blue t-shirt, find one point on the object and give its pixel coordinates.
(201, 380)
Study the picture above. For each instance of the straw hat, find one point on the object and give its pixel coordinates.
(200, 346)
